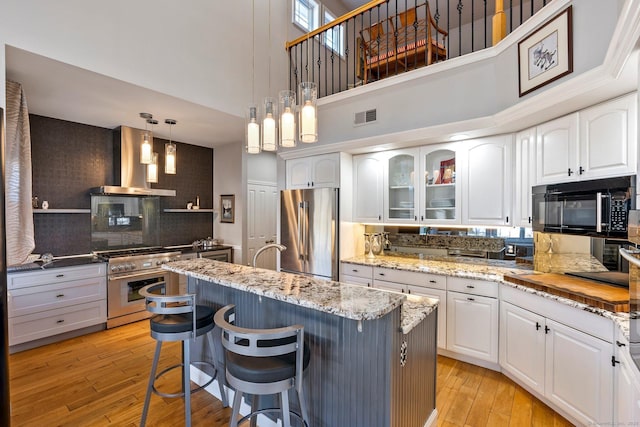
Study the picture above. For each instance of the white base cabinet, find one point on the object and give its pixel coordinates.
(472, 318)
(626, 379)
(44, 303)
(569, 368)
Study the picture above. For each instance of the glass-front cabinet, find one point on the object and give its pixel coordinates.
(401, 197)
(440, 200)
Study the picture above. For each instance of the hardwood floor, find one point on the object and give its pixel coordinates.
(100, 379)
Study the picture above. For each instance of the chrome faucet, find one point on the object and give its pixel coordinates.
(265, 247)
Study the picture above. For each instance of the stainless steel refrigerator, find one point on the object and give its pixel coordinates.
(308, 228)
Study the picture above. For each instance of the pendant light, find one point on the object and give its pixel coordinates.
(308, 121)
(253, 128)
(287, 104)
(152, 169)
(146, 146)
(269, 128)
(170, 151)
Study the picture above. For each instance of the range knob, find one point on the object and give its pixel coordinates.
(121, 267)
(114, 268)
(131, 266)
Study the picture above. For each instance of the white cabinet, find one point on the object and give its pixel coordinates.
(557, 150)
(368, 187)
(597, 142)
(524, 173)
(608, 138)
(415, 283)
(313, 172)
(541, 347)
(472, 318)
(439, 192)
(401, 200)
(49, 302)
(486, 186)
(626, 379)
(356, 274)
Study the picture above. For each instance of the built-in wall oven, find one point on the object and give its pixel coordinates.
(127, 273)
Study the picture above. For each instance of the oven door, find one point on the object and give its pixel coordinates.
(123, 291)
(633, 256)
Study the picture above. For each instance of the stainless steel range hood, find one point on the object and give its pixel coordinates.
(129, 173)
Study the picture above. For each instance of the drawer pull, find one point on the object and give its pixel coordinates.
(432, 281)
(620, 344)
(59, 275)
(471, 299)
(381, 274)
(354, 270)
(470, 287)
(60, 321)
(59, 295)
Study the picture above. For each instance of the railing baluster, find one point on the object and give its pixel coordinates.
(460, 7)
(485, 24)
(473, 46)
(510, 16)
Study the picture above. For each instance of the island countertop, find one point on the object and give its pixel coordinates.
(341, 299)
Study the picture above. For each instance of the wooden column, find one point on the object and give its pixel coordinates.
(499, 23)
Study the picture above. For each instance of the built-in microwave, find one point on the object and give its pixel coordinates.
(591, 208)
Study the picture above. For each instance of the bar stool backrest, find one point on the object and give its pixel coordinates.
(261, 342)
(158, 303)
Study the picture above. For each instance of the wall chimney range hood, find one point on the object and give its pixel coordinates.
(129, 173)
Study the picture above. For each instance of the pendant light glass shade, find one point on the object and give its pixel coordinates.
(287, 104)
(269, 128)
(308, 122)
(152, 169)
(146, 145)
(170, 151)
(253, 131)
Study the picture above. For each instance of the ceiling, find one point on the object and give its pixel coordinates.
(62, 91)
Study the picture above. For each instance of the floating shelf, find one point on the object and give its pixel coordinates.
(62, 211)
(189, 210)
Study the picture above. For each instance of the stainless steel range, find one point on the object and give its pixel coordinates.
(129, 271)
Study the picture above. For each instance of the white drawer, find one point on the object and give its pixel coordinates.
(357, 270)
(27, 300)
(55, 275)
(473, 286)
(52, 322)
(355, 280)
(410, 278)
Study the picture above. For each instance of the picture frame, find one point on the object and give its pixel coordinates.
(546, 54)
(228, 208)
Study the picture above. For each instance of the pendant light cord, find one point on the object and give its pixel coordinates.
(253, 51)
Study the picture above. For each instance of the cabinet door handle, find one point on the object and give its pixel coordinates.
(580, 170)
(59, 275)
(471, 299)
(421, 217)
(379, 217)
(59, 295)
(546, 329)
(620, 344)
(312, 183)
(470, 287)
(614, 361)
(415, 217)
(538, 326)
(507, 219)
(569, 172)
(60, 321)
(529, 220)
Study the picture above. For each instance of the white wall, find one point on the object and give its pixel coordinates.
(229, 177)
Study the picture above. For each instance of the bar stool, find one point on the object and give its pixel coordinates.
(178, 318)
(263, 361)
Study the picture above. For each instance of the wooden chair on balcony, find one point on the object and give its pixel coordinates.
(408, 40)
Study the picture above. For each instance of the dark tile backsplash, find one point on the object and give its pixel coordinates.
(70, 158)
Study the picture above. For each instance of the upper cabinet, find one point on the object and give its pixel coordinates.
(597, 142)
(401, 199)
(486, 185)
(525, 174)
(368, 187)
(439, 193)
(314, 172)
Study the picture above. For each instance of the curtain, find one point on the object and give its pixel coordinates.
(19, 211)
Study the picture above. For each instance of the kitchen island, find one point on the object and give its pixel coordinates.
(373, 352)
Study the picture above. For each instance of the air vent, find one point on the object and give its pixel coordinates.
(365, 117)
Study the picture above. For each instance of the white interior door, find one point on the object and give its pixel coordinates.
(262, 227)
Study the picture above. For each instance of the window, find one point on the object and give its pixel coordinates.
(333, 38)
(305, 14)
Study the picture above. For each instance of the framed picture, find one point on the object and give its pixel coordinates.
(546, 54)
(227, 208)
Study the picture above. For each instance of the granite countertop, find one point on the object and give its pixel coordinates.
(345, 300)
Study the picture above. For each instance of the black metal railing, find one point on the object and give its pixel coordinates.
(388, 37)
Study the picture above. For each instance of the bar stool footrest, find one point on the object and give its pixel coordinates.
(271, 410)
(179, 365)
